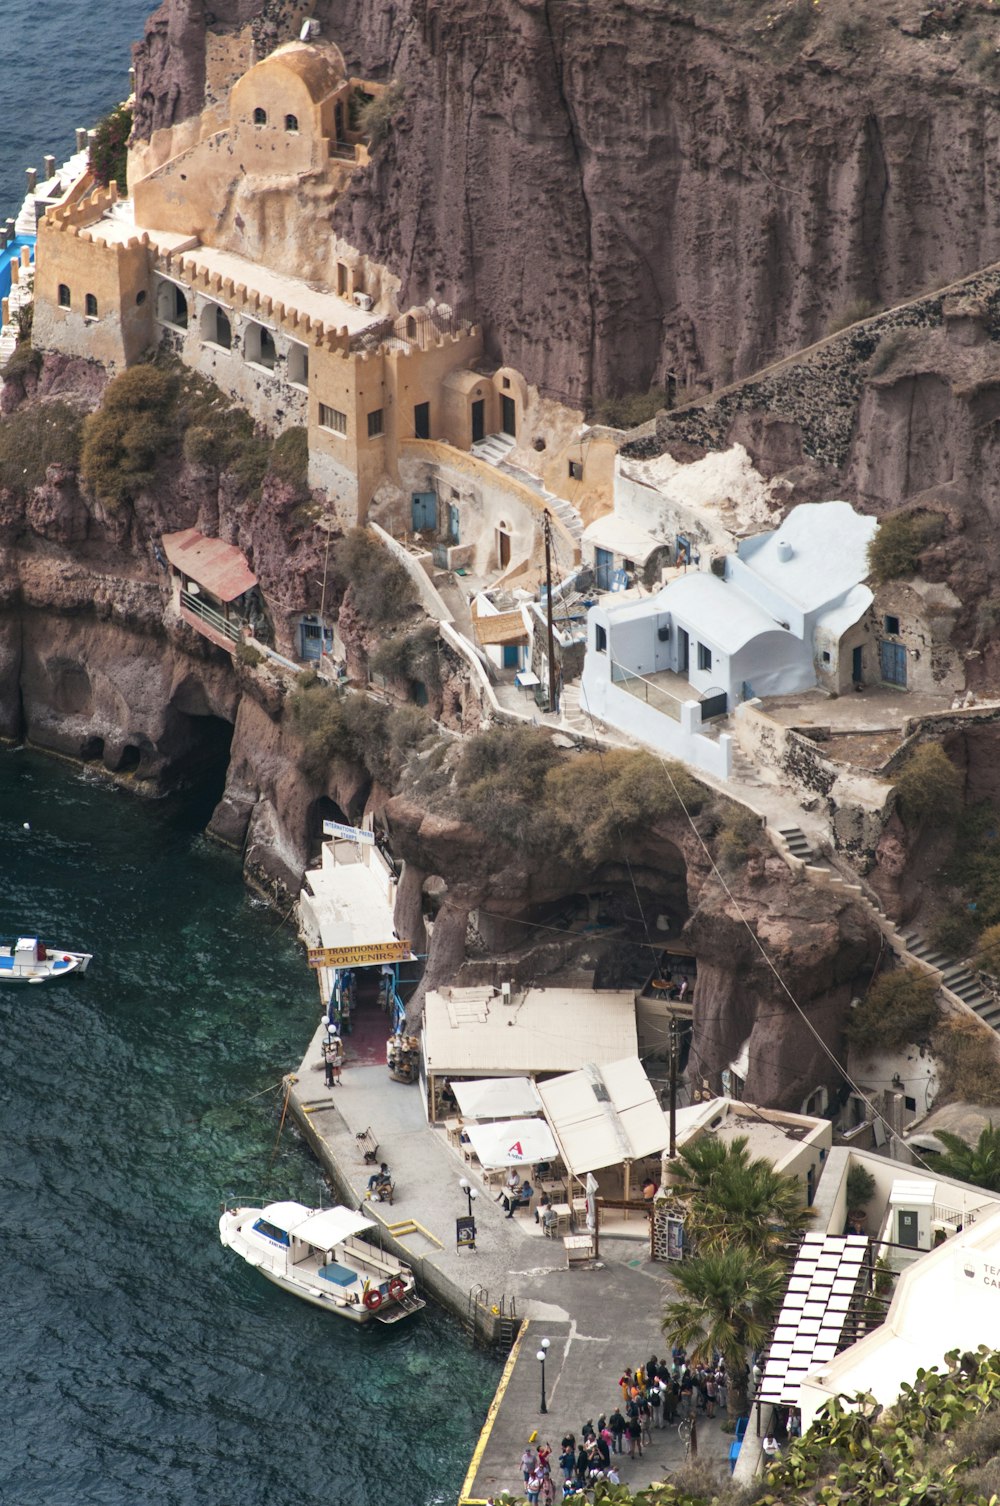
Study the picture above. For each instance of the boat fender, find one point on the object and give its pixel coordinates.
(373, 1300)
(397, 1288)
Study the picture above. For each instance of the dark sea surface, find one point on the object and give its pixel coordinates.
(143, 1365)
(65, 64)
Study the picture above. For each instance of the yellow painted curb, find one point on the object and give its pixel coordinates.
(464, 1499)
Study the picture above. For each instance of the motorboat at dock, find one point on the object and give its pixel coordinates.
(32, 961)
(317, 1254)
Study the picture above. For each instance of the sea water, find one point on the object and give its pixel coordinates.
(65, 64)
(143, 1364)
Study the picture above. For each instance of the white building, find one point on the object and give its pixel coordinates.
(787, 614)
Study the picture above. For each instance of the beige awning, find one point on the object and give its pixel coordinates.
(505, 627)
(603, 1116)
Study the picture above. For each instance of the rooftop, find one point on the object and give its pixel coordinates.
(819, 552)
(221, 568)
(718, 610)
(349, 896)
(472, 1030)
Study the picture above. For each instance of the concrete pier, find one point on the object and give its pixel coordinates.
(598, 1320)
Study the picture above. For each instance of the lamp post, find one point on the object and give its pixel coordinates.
(540, 1357)
(470, 1192)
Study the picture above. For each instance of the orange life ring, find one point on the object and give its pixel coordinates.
(397, 1288)
(373, 1300)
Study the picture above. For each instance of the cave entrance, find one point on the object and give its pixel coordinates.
(323, 809)
(201, 747)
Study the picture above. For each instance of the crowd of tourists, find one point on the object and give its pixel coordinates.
(653, 1396)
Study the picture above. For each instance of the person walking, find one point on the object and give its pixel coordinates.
(529, 1463)
(616, 1423)
(634, 1432)
(656, 1404)
(534, 1485)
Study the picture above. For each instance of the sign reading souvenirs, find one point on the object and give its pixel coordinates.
(352, 833)
(358, 956)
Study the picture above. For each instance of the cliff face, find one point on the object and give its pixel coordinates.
(637, 189)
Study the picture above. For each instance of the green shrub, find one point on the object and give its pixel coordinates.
(374, 115)
(630, 411)
(248, 654)
(852, 313)
(963, 1048)
(412, 657)
(860, 1187)
(317, 716)
(33, 438)
(898, 1010)
(124, 439)
(987, 958)
(23, 358)
(109, 149)
(408, 730)
(929, 787)
(290, 458)
(954, 931)
(381, 590)
(894, 553)
(738, 834)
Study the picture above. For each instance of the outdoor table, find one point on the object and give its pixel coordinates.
(526, 680)
(564, 1217)
(578, 1247)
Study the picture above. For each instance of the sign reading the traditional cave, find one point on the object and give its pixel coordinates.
(352, 833)
(359, 956)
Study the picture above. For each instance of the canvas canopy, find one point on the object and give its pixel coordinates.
(329, 1226)
(496, 1097)
(512, 1142)
(603, 1116)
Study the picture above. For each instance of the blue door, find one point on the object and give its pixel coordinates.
(893, 657)
(314, 640)
(424, 512)
(511, 656)
(604, 562)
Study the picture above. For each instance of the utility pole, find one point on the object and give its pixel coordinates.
(547, 531)
(673, 1085)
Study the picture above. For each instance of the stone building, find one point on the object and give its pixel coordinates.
(224, 255)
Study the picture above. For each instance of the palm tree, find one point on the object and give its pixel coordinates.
(733, 1200)
(728, 1301)
(978, 1164)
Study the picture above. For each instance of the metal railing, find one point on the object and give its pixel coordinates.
(211, 617)
(644, 690)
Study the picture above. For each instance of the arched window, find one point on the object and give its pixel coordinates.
(90, 306)
(215, 326)
(171, 305)
(411, 327)
(65, 301)
(258, 346)
(268, 352)
(291, 122)
(259, 116)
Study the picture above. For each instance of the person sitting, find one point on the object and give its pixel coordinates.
(510, 1186)
(649, 1189)
(377, 1177)
(519, 1199)
(544, 1201)
(549, 1220)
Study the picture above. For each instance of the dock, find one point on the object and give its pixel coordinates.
(513, 1289)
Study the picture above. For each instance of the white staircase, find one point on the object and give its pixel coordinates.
(495, 450)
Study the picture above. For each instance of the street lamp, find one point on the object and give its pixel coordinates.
(470, 1192)
(540, 1357)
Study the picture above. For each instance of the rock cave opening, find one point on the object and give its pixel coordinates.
(92, 750)
(323, 809)
(200, 763)
(129, 759)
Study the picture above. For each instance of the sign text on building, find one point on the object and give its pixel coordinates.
(358, 956)
(352, 833)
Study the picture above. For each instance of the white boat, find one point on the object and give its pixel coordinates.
(316, 1254)
(31, 961)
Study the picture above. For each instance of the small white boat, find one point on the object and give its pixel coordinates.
(316, 1254)
(31, 961)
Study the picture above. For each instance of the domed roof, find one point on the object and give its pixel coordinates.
(320, 66)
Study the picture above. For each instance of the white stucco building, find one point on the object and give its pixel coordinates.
(787, 614)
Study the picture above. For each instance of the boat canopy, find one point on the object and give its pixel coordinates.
(321, 1227)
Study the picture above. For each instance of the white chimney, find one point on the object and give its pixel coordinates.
(785, 550)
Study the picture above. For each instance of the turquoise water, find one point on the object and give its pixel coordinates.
(143, 1363)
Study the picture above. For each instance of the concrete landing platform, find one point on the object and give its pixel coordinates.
(598, 1320)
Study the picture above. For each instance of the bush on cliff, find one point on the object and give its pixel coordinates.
(125, 438)
(899, 1009)
(894, 553)
(738, 834)
(965, 1051)
(630, 411)
(381, 591)
(32, 439)
(333, 726)
(374, 113)
(290, 458)
(109, 149)
(929, 787)
(987, 958)
(410, 657)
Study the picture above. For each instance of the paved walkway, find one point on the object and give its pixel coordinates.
(597, 1320)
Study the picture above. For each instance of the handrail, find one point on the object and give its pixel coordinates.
(653, 695)
(209, 615)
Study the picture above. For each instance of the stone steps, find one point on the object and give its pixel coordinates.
(797, 843)
(956, 978)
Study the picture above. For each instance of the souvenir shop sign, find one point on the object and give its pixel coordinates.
(359, 956)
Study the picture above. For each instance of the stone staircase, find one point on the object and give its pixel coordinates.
(796, 841)
(496, 448)
(956, 977)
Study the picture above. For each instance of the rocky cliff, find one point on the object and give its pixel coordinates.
(636, 190)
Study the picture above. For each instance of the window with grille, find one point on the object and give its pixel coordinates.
(332, 419)
(376, 423)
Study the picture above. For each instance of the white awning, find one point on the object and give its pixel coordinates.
(621, 537)
(329, 1226)
(496, 1097)
(512, 1142)
(603, 1116)
(821, 1291)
